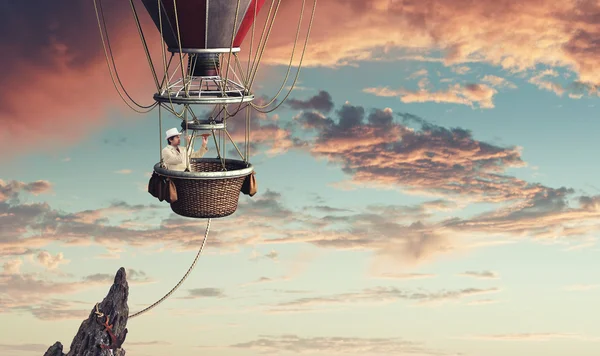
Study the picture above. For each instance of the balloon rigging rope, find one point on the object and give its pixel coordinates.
(262, 50)
(164, 58)
(180, 281)
(263, 37)
(110, 58)
(144, 44)
(243, 105)
(256, 107)
(260, 42)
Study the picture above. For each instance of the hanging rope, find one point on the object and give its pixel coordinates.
(262, 50)
(180, 281)
(110, 58)
(145, 44)
(291, 60)
(160, 135)
(262, 37)
(299, 67)
(245, 80)
(164, 58)
(237, 9)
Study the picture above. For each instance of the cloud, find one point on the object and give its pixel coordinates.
(9, 190)
(51, 262)
(41, 296)
(482, 302)
(149, 343)
(581, 287)
(480, 275)
(205, 293)
(420, 73)
(326, 209)
(542, 83)
(260, 280)
(550, 34)
(124, 171)
(533, 337)
(321, 102)
(547, 214)
(469, 94)
(69, 60)
(374, 148)
(461, 69)
(31, 293)
(104, 226)
(272, 255)
(498, 82)
(133, 277)
(55, 310)
(277, 344)
(12, 266)
(379, 295)
(405, 276)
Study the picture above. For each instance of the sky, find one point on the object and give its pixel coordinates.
(428, 188)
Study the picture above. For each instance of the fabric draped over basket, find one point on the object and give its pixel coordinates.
(162, 188)
(249, 186)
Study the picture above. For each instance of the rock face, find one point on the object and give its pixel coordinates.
(96, 331)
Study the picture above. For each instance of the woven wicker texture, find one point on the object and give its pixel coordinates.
(208, 198)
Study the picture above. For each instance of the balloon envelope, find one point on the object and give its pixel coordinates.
(203, 24)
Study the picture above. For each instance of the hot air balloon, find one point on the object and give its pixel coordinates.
(203, 38)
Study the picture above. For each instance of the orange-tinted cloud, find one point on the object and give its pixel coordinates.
(57, 87)
(533, 337)
(12, 188)
(374, 148)
(278, 344)
(519, 35)
(469, 94)
(548, 214)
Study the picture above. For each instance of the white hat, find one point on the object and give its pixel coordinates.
(172, 132)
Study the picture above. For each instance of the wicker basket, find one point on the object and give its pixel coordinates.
(207, 191)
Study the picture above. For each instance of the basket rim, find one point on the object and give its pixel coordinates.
(235, 173)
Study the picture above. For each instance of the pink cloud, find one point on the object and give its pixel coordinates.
(374, 148)
(531, 33)
(62, 93)
(12, 188)
(469, 95)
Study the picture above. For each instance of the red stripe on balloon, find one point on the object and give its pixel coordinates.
(247, 21)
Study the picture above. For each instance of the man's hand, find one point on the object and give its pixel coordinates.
(204, 140)
(188, 138)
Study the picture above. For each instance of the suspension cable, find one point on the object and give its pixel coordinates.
(291, 60)
(299, 65)
(110, 58)
(144, 43)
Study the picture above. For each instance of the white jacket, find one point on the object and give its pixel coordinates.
(177, 161)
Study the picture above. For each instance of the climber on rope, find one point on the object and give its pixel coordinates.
(174, 157)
